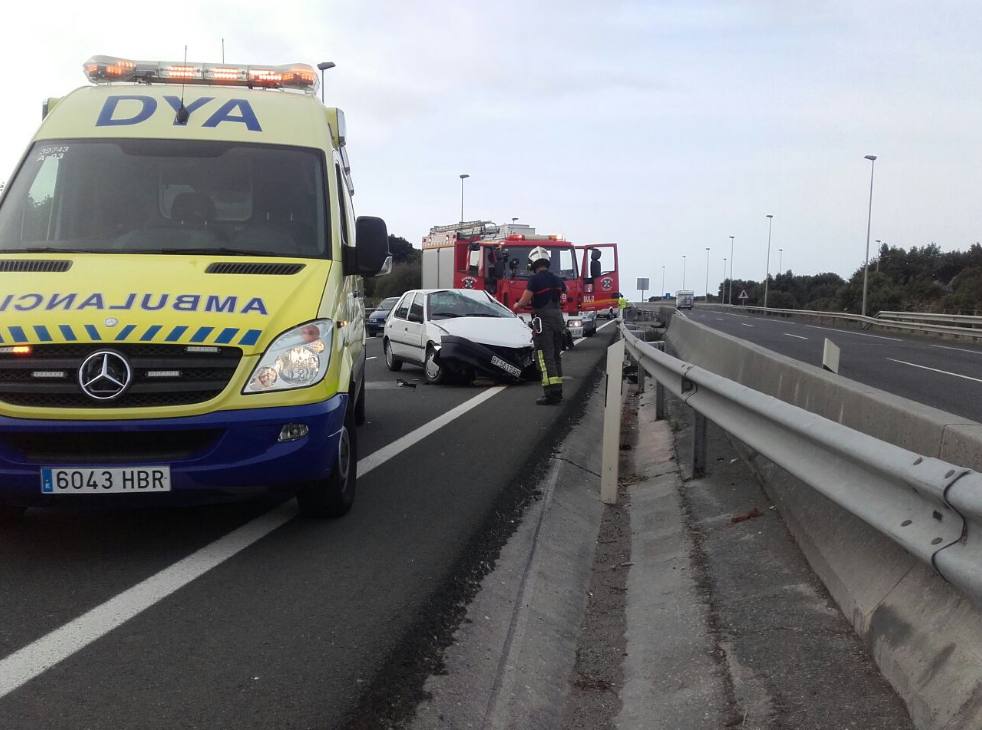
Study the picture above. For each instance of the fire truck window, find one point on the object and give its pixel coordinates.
(563, 263)
(606, 261)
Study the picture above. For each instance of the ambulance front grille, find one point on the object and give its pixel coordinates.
(163, 375)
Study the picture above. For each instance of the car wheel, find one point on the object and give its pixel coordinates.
(360, 416)
(334, 495)
(391, 361)
(431, 368)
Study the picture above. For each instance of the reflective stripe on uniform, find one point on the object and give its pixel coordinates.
(542, 367)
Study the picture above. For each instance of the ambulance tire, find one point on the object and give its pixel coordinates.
(333, 496)
(10, 514)
(360, 416)
(391, 361)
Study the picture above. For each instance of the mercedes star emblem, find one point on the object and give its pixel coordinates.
(104, 375)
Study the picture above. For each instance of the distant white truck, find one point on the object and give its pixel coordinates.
(683, 299)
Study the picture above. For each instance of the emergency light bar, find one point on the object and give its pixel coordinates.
(109, 69)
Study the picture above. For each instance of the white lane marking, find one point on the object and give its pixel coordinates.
(578, 340)
(746, 325)
(850, 332)
(936, 370)
(960, 349)
(28, 662)
(800, 337)
(377, 458)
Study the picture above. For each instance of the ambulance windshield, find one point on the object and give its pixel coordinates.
(167, 196)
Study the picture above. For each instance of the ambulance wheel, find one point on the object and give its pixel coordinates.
(333, 496)
(360, 416)
(10, 514)
(391, 361)
(431, 368)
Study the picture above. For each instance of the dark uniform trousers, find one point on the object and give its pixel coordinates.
(548, 340)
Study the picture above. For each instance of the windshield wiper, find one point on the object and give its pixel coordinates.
(448, 315)
(52, 249)
(217, 251)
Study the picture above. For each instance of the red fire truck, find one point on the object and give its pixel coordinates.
(482, 255)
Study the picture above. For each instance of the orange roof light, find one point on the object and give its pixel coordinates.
(16, 350)
(109, 69)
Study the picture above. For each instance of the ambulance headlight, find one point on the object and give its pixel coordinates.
(297, 359)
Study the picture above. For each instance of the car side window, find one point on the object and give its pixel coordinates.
(402, 308)
(416, 310)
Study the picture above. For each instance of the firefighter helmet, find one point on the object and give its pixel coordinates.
(537, 254)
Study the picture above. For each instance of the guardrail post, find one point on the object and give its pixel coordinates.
(642, 375)
(659, 401)
(612, 423)
(698, 445)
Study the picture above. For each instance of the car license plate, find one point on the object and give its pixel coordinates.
(105, 480)
(506, 366)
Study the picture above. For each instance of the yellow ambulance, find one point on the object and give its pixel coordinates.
(181, 280)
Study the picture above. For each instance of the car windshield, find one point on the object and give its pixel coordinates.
(167, 196)
(449, 304)
(387, 304)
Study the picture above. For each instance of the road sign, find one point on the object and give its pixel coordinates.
(642, 284)
(743, 296)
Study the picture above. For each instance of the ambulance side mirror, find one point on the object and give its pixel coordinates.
(371, 251)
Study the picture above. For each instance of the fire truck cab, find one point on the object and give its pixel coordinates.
(482, 255)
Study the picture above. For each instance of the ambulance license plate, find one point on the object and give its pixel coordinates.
(105, 480)
(506, 366)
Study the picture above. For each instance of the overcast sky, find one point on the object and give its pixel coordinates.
(663, 126)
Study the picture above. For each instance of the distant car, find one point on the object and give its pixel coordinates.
(583, 325)
(454, 334)
(376, 320)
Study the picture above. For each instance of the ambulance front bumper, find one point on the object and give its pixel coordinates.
(211, 457)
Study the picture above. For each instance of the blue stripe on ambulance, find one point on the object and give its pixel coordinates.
(125, 332)
(17, 334)
(67, 332)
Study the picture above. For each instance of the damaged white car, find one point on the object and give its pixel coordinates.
(458, 334)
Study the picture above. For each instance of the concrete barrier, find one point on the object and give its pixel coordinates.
(925, 636)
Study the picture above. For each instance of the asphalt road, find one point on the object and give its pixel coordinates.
(315, 624)
(946, 374)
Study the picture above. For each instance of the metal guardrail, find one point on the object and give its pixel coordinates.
(957, 320)
(895, 324)
(931, 508)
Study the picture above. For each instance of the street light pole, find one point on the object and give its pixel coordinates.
(869, 221)
(878, 256)
(767, 275)
(662, 281)
(730, 296)
(707, 274)
(683, 272)
(722, 290)
(780, 260)
(463, 176)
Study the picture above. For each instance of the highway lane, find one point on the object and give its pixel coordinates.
(945, 374)
(300, 627)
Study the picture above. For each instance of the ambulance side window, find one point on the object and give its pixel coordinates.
(344, 205)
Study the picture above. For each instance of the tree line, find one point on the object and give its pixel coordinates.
(918, 279)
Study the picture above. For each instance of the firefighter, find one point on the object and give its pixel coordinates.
(544, 292)
(621, 305)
